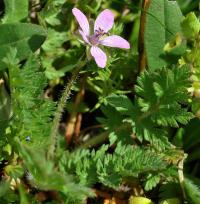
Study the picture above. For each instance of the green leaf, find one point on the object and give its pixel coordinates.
(41, 170)
(169, 190)
(109, 169)
(160, 96)
(43, 174)
(5, 109)
(5, 104)
(25, 37)
(190, 25)
(15, 171)
(192, 191)
(146, 130)
(112, 118)
(15, 11)
(162, 93)
(176, 46)
(162, 23)
(121, 102)
(151, 181)
(192, 134)
(23, 196)
(4, 187)
(28, 104)
(188, 5)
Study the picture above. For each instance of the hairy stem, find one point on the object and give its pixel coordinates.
(74, 122)
(60, 108)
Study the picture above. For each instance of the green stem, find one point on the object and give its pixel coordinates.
(60, 108)
(102, 137)
(94, 141)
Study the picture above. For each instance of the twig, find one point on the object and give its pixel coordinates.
(141, 47)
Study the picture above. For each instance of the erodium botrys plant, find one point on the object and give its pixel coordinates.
(102, 25)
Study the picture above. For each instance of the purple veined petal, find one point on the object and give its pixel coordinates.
(84, 36)
(115, 41)
(99, 56)
(104, 21)
(82, 21)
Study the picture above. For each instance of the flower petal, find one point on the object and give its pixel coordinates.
(104, 21)
(84, 36)
(82, 21)
(115, 41)
(99, 56)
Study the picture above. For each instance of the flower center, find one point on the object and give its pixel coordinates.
(94, 39)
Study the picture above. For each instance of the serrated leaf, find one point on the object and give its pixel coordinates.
(192, 191)
(121, 102)
(158, 89)
(161, 94)
(151, 182)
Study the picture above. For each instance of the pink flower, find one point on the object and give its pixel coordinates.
(103, 24)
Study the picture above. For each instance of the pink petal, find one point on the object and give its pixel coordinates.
(105, 21)
(99, 56)
(82, 21)
(84, 36)
(115, 41)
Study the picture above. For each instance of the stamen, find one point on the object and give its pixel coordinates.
(94, 39)
(100, 32)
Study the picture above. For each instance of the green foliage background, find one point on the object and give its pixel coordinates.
(139, 134)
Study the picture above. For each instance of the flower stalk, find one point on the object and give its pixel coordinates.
(60, 108)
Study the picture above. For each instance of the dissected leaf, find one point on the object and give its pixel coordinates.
(121, 102)
(193, 191)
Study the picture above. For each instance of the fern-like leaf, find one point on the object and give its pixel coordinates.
(31, 111)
